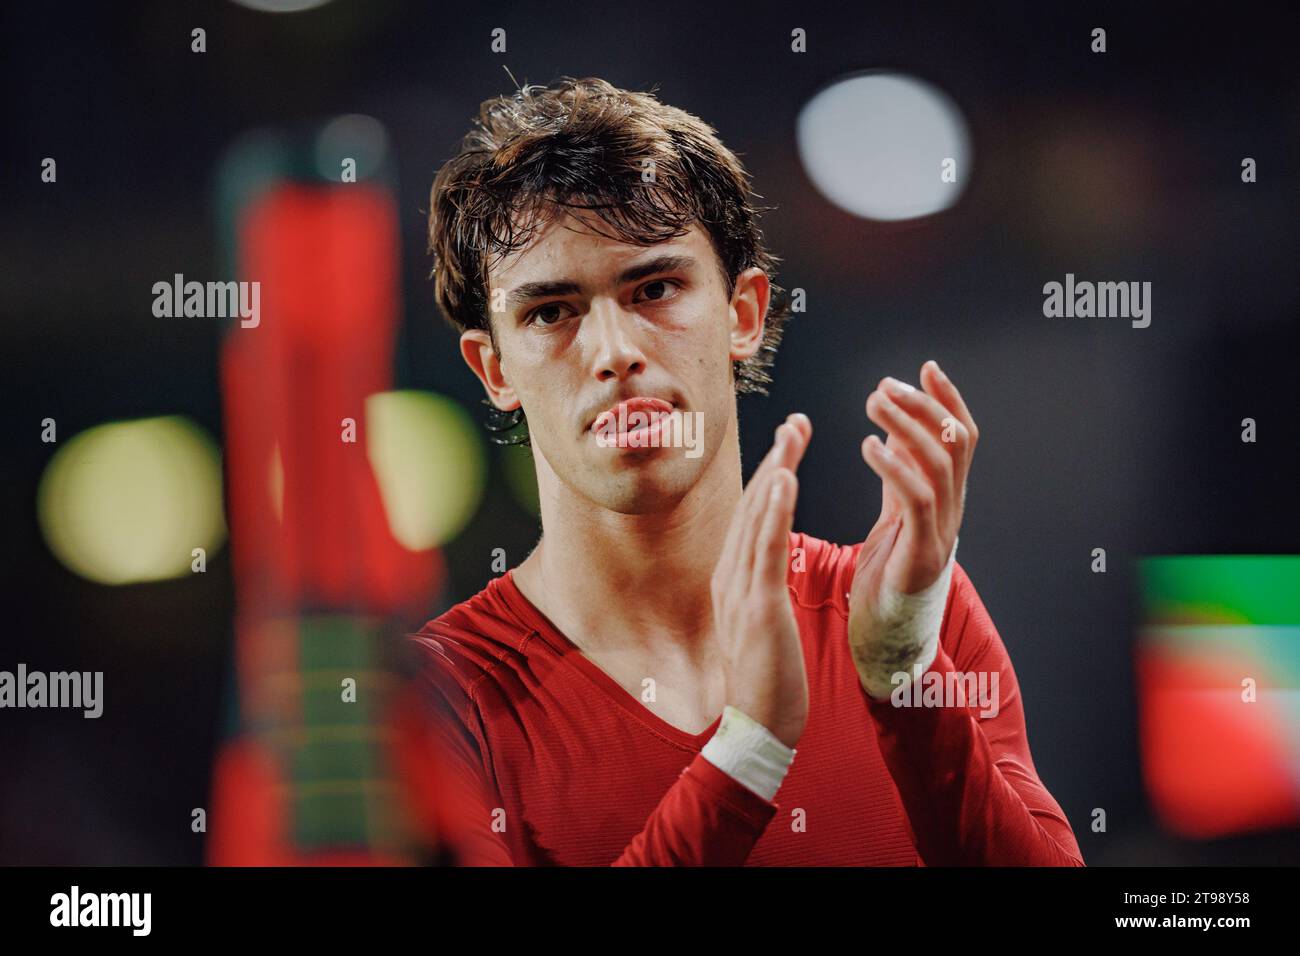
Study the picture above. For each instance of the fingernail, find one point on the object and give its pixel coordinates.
(895, 387)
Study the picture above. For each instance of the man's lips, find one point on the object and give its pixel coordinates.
(651, 409)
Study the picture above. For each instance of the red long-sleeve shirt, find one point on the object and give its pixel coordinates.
(555, 763)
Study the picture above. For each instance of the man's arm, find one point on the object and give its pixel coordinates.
(968, 783)
(706, 818)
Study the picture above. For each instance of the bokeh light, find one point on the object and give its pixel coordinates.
(128, 502)
(354, 136)
(281, 6)
(875, 145)
(429, 462)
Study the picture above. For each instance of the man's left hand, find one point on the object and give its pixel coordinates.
(922, 465)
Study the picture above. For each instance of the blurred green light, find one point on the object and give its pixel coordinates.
(521, 477)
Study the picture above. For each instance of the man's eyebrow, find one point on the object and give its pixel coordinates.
(540, 290)
(664, 263)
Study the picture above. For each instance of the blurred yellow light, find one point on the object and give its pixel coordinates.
(429, 463)
(130, 501)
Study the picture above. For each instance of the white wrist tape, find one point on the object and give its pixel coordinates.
(749, 753)
(903, 634)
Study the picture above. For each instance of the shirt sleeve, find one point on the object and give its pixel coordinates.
(706, 818)
(455, 737)
(965, 773)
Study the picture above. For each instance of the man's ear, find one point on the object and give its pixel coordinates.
(480, 355)
(748, 312)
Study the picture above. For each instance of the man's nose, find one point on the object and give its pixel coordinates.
(615, 353)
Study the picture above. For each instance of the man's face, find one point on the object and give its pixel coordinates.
(584, 322)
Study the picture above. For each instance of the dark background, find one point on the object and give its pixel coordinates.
(1123, 166)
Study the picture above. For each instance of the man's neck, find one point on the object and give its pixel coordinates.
(611, 580)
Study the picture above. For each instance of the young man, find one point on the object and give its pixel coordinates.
(673, 676)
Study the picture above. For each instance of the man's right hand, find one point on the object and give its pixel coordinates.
(753, 619)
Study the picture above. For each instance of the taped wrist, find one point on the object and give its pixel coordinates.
(749, 753)
(903, 634)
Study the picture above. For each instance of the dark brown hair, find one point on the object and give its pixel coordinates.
(584, 144)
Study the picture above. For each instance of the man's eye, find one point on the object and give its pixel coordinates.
(659, 287)
(542, 315)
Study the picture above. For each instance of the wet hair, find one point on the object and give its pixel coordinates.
(648, 171)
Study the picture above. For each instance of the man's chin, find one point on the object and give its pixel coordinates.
(642, 481)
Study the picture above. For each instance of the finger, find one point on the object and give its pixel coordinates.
(798, 434)
(786, 452)
(953, 436)
(888, 500)
(925, 406)
(940, 420)
(942, 388)
(915, 496)
(794, 450)
(797, 431)
(935, 461)
(727, 560)
(773, 544)
(753, 525)
(895, 444)
(756, 503)
(776, 454)
(934, 381)
(792, 437)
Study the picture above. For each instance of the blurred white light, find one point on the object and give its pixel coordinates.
(875, 145)
(281, 6)
(429, 463)
(354, 136)
(129, 501)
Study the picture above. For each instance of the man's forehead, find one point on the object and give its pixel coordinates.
(570, 246)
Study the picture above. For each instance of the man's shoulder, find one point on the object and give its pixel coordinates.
(474, 637)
